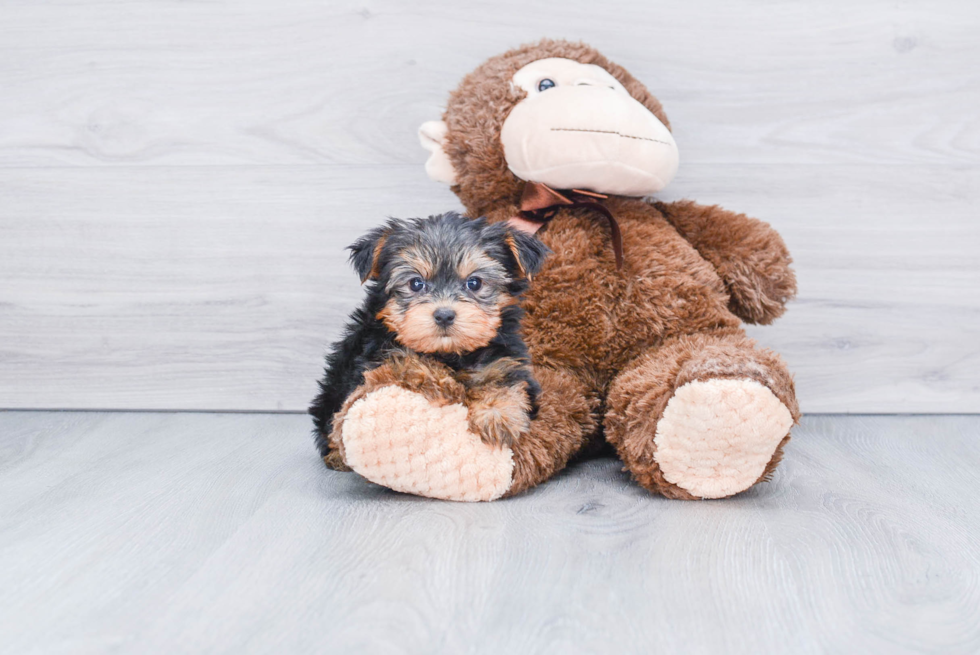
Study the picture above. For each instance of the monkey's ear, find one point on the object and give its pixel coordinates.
(432, 134)
(528, 251)
(365, 253)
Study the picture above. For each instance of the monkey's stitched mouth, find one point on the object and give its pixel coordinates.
(625, 136)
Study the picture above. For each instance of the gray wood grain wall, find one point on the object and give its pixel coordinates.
(178, 180)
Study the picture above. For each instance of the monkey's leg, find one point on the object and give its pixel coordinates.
(408, 428)
(703, 416)
(565, 421)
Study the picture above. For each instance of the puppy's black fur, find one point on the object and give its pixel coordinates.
(390, 257)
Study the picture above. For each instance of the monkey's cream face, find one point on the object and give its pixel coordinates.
(579, 128)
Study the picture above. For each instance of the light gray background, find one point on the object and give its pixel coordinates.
(178, 180)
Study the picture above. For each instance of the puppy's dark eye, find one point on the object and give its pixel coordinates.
(474, 283)
(545, 84)
(416, 284)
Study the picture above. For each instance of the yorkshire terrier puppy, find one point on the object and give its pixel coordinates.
(442, 318)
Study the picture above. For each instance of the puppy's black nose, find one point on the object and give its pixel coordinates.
(444, 317)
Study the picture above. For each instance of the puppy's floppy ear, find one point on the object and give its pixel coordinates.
(365, 253)
(529, 253)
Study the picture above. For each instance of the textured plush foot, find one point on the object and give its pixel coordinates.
(716, 436)
(398, 439)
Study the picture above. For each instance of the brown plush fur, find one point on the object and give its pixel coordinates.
(753, 262)
(639, 395)
(477, 109)
(669, 316)
(623, 340)
(564, 425)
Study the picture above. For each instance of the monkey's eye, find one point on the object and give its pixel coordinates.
(416, 284)
(545, 84)
(474, 283)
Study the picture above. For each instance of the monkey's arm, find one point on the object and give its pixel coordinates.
(749, 255)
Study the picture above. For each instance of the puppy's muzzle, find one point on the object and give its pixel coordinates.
(444, 317)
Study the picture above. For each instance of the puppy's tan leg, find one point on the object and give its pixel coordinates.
(499, 407)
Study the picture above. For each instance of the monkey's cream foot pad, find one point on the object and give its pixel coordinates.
(398, 439)
(716, 436)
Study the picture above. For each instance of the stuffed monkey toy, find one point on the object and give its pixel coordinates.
(634, 321)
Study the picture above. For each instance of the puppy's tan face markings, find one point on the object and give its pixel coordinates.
(467, 284)
(472, 328)
(411, 262)
(476, 262)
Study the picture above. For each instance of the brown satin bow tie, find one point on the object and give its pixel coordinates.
(540, 203)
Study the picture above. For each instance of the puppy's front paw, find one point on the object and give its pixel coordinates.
(420, 375)
(499, 415)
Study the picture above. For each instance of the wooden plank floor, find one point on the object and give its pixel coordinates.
(186, 533)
